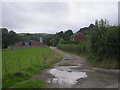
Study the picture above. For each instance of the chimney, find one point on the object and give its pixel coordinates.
(41, 40)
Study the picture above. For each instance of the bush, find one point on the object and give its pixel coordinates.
(70, 42)
(104, 40)
(79, 48)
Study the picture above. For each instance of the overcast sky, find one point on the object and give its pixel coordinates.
(52, 17)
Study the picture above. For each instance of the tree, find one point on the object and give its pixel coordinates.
(104, 39)
(9, 37)
(52, 42)
(91, 26)
(12, 37)
(47, 39)
(68, 33)
(61, 40)
(86, 30)
(5, 37)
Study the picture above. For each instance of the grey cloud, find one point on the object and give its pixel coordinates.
(51, 17)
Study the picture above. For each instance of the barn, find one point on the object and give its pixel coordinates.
(29, 43)
(77, 37)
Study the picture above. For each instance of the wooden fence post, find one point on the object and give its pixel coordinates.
(44, 57)
(31, 59)
(5, 68)
(52, 52)
(38, 60)
(19, 64)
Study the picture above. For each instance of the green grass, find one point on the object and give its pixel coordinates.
(31, 84)
(27, 70)
(106, 63)
(66, 64)
(95, 74)
(0, 69)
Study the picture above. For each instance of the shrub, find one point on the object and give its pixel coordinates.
(104, 40)
(79, 48)
(70, 42)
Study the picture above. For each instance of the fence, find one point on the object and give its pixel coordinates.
(44, 58)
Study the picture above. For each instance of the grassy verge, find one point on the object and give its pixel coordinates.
(31, 84)
(106, 63)
(27, 70)
(76, 53)
(67, 65)
(96, 74)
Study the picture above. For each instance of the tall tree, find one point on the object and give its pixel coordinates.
(86, 30)
(68, 33)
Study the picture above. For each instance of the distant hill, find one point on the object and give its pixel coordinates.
(22, 34)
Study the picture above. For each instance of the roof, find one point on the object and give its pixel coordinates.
(31, 41)
(76, 34)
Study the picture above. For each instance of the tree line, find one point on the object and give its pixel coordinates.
(102, 46)
(11, 37)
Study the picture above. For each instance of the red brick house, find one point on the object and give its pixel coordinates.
(77, 37)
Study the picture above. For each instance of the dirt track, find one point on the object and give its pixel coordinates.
(74, 72)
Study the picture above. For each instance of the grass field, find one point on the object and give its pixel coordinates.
(21, 57)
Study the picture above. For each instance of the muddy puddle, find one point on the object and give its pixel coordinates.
(65, 76)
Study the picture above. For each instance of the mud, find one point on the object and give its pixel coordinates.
(77, 74)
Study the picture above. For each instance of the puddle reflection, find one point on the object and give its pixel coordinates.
(66, 76)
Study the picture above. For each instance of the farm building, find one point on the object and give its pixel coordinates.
(30, 43)
(27, 43)
(77, 37)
